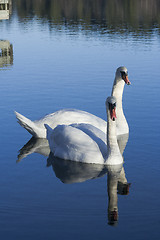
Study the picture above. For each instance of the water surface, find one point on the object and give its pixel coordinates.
(64, 54)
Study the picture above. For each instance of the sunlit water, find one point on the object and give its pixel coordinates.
(53, 66)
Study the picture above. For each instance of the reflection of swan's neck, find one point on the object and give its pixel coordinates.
(117, 92)
(112, 193)
(122, 176)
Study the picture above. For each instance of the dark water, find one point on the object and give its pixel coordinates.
(58, 54)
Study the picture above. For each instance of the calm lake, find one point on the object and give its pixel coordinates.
(57, 54)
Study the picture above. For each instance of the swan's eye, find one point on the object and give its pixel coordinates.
(124, 73)
(112, 105)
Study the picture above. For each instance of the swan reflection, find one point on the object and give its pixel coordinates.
(6, 54)
(74, 172)
(116, 184)
(34, 145)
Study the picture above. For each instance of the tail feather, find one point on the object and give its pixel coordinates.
(50, 137)
(49, 130)
(26, 123)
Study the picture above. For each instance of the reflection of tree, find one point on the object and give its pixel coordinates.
(6, 53)
(135, 15)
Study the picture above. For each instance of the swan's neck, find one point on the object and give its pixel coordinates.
(117, 92)
(114, 155)
(111, 134)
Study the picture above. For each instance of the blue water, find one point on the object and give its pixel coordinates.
(72, 65)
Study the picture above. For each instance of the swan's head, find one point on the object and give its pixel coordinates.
(122, 74)
(111, 107)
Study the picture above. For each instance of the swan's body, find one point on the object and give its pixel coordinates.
(84, 143)
(73, 116)
(64, 116)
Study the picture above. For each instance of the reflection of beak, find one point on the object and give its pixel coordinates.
(123, 188)
(113, 114)
(112, 217)
(125, 78)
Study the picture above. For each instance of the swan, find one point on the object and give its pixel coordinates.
(80, 144)
(70, 116)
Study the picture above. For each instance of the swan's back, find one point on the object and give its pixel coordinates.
(71, 116)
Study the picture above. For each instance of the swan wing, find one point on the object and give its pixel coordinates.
(71, 143)
(95, 134)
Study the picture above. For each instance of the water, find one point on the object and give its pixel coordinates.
(65, 55)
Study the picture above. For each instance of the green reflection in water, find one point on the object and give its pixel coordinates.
(106, 16)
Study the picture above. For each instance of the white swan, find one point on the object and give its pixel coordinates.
(83, 144)
(70, 116)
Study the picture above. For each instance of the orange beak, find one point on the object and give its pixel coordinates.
(125, 78)
(113, 114)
